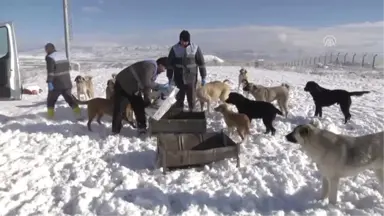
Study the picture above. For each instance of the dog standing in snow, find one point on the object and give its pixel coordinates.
(235, 121)
(211, 92)
(243, 75)
(338, 156)
(109, 91)
(270, 94)
(84, 86)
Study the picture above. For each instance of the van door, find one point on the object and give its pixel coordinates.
(10, 82)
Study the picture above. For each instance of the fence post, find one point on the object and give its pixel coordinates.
(345, 58)
(314, 60)
(325, 60)
(373, 61)
(337, 58)
(330, 60)
(362, 62)
(353, 58)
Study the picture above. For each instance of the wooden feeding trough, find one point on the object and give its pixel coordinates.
(182, 141)
(184, 150)
(176, 121)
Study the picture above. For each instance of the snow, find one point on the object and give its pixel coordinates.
(212, 58)
(58, 167)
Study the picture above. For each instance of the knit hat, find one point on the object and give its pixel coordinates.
(185, 36)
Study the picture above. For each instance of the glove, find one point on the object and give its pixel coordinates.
(147, 102)
(202, 82)
(50, 86)
(164, 87)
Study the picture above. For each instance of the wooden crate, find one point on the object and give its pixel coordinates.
(184, 150)
(176, 121)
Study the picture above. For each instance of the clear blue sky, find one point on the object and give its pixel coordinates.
(43, 19)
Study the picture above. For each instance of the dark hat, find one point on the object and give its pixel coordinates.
(49, 45)
(185, 36)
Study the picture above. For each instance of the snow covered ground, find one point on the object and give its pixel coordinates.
(58, 167)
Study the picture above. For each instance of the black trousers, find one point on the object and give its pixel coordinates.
(54, 95)
(188, 90)
(121, 100)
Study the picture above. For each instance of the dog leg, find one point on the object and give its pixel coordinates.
(241, 134)
(345, 110)
(380, 177)
(318, 110)
(324, 188)
(333, 187)
(202, 106)
(99, 118)
(209, 106)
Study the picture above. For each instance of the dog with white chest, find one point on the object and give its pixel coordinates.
(84, 86)
(340, 156)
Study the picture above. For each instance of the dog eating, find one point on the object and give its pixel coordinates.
(235, 121)
(97, 107)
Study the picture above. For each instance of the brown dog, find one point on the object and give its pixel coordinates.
(237, 121)
(100, 106)
(211, 92)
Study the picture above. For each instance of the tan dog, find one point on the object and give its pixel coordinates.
(243, 75)
(84, 86)
(235, 121)
(211, 92)
(110, 90)
(269, 94)
(100, 106)
(340, 156)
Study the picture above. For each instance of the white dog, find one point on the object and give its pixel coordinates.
(340, 156)
(243, 75)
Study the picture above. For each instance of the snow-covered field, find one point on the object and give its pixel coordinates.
(58, 167)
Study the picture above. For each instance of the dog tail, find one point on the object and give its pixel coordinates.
(226, 81)
(358, 93)
(278, 111)
(79, 101)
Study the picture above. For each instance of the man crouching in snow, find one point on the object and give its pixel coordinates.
(133, 85)
(58, 80)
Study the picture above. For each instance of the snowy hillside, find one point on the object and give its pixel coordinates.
(58, 167)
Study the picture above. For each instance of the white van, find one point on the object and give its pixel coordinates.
(10, 80)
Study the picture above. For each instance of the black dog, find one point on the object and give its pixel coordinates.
(255, 110)
(325, 97)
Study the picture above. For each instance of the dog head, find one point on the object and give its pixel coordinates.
(79, 79)
(235, 98)
(88, 78)
(243, 71)
(110, 84)
(301, 134)
(285, 85)
(221, 108)
(312, 86)
(249, 87)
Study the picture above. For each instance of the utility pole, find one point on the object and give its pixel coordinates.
(66, 29)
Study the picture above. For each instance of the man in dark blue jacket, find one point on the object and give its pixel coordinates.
(58, 80)
(184, 61)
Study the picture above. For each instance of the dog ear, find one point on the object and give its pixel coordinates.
(304, 131)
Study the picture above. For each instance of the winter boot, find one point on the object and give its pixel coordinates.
(50, 113)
